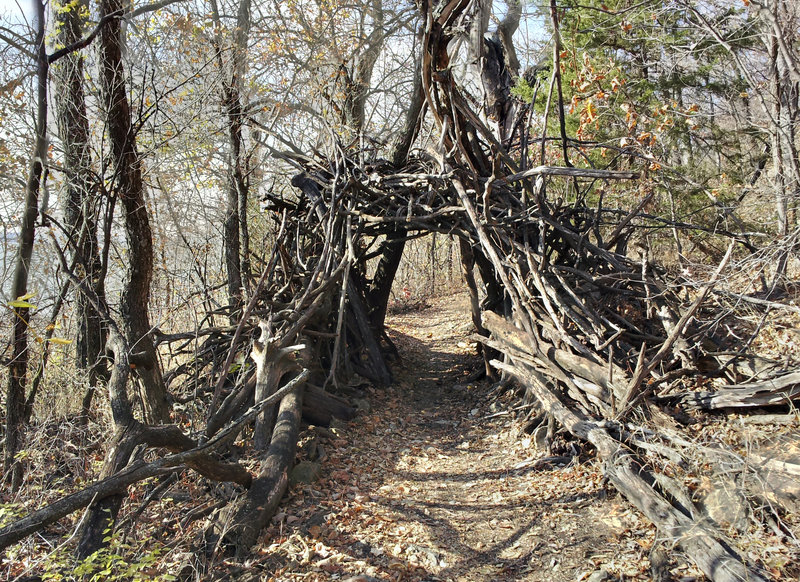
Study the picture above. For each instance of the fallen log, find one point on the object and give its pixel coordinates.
(780, 391)
(258, 504)
(739, 367)
(605, 382)
(321, 407)
(134, 473)
(777, 465)
(41, 518)
(704, 544)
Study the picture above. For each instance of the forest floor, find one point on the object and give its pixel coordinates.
(430, 483)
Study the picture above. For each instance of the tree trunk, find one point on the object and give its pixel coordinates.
(392, 248)
(261, 500)
(380, 288)
(80, 209)
(237, 187)
(130, 189)
(399, 153)
(102, 513)
(374, 366)
(236, 240)
(468, 272)
(779, 187)
(18, 368)
(360, 75)
(499, 66)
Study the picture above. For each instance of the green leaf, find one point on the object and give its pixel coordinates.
(21, 304)
(60, 341)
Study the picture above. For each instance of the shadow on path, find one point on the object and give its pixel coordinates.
(424, 486)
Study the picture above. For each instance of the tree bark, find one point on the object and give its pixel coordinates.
(704, 544)
(377, 370)
(102, 513)
(130, 189)
(499, 65)
(236, 235)
(360, 73)
(18, 368)
(380, 288)
(402, 145)
(261, 500)
(80, 208)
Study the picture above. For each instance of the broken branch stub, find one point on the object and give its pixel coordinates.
(272, 361)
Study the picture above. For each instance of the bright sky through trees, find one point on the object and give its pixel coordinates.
(16, 11)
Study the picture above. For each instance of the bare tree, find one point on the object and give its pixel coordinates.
(18, 368)
(236, 237)
(82, 197)
(774, 83)
(129, 186)
(357, 70)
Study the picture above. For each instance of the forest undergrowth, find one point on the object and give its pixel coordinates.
(435, 482)
(434, 479)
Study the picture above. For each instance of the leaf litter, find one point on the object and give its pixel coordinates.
(434, 484)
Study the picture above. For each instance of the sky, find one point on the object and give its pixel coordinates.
(18, 11)
(12, 11)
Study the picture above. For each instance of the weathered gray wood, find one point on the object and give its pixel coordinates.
(595, 374)
(659, 564)
(271, 364)
(704, 544)
(792, 418)
(572, 173)
(773, 392)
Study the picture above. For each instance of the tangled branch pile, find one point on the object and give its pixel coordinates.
(597, 336)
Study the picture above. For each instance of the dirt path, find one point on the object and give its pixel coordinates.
(429, 485)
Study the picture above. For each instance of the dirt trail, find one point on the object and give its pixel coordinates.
(429, 485)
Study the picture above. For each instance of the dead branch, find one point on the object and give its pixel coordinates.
(779, 391)
(140, 471)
